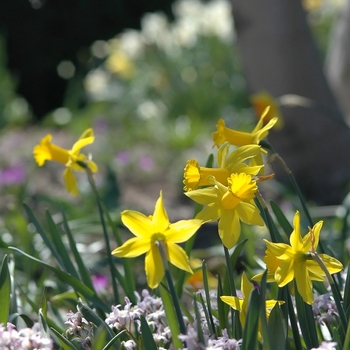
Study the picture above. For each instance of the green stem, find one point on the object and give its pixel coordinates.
(105, 234)
(172, 290)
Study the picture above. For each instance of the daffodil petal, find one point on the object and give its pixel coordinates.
(229, 228)
(132, 247)
(139, 224)
(154, 267)
(93, 167)
(235, 302)
(178, 257)
(249, 214)
(70, 181)
(304, 284)
(284, 273)
(211, 212)
(203, 196)
(279, 249)
(332, 264)
(160, 218)
(81, 143)
(246, 286)
(182, 230)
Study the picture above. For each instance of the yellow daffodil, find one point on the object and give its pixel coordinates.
(196, 280)
(288, 262)
(261, 101)
(241, 304)
(150, 232)
(230, 205)
(196, 176)
(70, 158)
(240, 138)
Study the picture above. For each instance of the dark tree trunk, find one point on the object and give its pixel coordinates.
(280, 56)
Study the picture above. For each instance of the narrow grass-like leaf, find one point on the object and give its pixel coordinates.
(277, 331)
(27, 320)
(346, 300)
(114, 339)
(100, 338)
(263, 319)
(5, 291)
(65, 343)
(250, 332)
(206, 314)
(44, 236)
(147, 336)
(128, 282)
(282, 220)
(44, 328)
(207, 296)
(306, 320)
(78, 286)
(198, 323)
(43, 303)
(223, 308)
(65, 259)
(346, 344)
(170, 316)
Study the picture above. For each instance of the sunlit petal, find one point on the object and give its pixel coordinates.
(304, 284)
(229, 228)
(70, 181)
(138, 224)
(332, 264)
(154, 267)
(132, 247)
(160, 218)
(235, 302)
(212, 212)
(284, 273)
(178, 257)
(204, 196)
(249, 213)
(182, 230)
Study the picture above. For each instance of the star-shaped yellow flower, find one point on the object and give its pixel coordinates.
(230, 205)
(49, 151)
(288, 262)
(196, 176)
(240, 138)
(150, 231)
(241, 304)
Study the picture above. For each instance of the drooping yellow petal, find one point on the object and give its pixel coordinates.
(182, 230)
(93, 167)
(160, 218)
(304, 284)
(132, 248)
(332, 264)
(281, 250)
(154, 267)
(246, 286)
(139, 224)
(284, 273)
(211, 212)
(178, 257)
(249, 213)
(70, 181)
(229, 228)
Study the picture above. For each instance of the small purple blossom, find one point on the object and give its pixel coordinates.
(324, 308)
(13, 175)
(146, 163)
(99, 282)
(122, 158)
(326, 346)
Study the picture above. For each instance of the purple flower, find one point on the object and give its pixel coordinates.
(99, 282)
(12, 175)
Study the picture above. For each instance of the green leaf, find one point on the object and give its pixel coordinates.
(147, 336)
(5, 291)
(65, 343)
(113, 340)
(83, 271)
(78, 286)
(347, 294)
(306, 321)
(282, 220)
(170, 315)
(199, 324)
(223, 308)
(277, 330)
(44, 328)
(250, 332)
(43, 303)
(263, 318)
(65, 259)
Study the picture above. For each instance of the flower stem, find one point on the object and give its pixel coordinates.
(172, 290)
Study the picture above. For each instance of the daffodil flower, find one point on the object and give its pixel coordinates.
(261, 101)
(240, 138)
(241, 304)
(150, 232)
(72, 159)
(196, 176)
(288, 262)
(230, 205)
